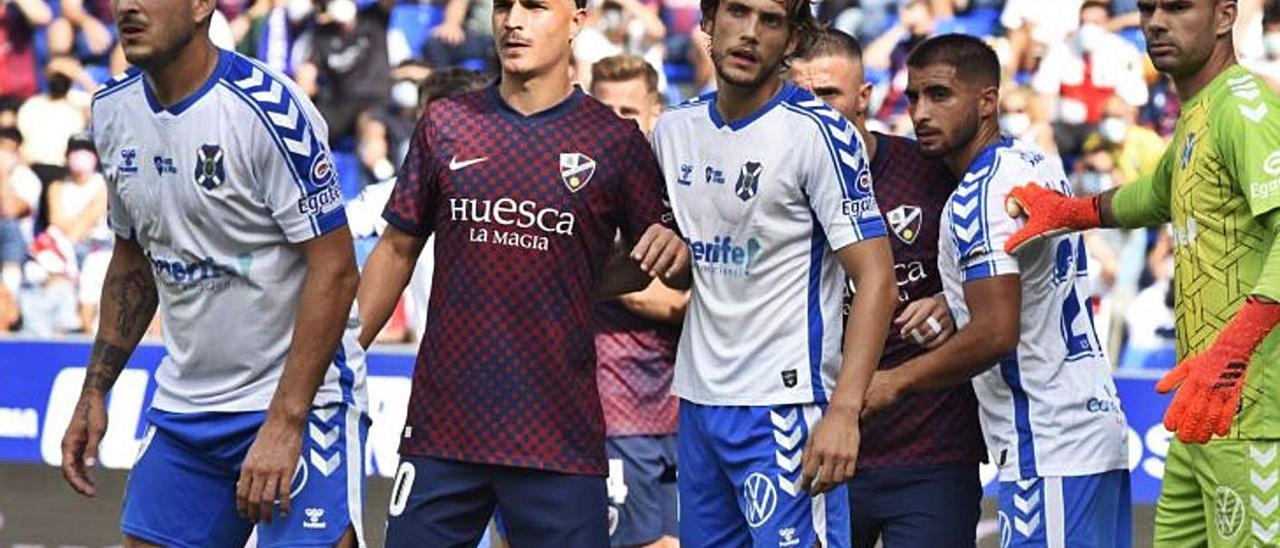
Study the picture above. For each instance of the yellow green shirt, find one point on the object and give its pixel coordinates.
(1218, 183)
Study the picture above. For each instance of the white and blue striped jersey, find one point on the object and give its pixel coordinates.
(218, 190)
(763, 202)
(1051, 408)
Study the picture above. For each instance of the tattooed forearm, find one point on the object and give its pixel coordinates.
(105, 364)
(134, 293)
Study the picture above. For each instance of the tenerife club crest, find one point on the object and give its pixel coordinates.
(749, 180)
(209, 170)
(576, 170)
(905, 221)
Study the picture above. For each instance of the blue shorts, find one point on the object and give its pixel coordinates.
(740, 480)
(1081, 511)
(181, 491)
(642, 489)
(447, 504)
(926, 505)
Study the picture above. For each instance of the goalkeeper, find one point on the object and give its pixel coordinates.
(1219, 185)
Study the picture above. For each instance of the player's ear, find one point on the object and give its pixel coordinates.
(989, 102)
(577, 20)
(202, 10)
(864, 98)
(1224, 16)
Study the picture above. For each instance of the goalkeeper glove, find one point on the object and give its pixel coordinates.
(1210, 383)
(1049, 213)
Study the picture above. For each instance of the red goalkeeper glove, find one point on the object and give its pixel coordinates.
(1210, 383)
(1049, 214)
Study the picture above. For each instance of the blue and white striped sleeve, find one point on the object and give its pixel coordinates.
(839, 186)
(979, 224)
(296, 173)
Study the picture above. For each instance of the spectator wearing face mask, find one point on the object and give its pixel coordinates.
(47, 121)
(1021, 119)
(1081, 73)
(349, 70)
(78, 213)
(1268, 65)
(620, 26)
(1135, 149)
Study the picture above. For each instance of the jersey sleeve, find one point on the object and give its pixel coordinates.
(980, 226)
(118, 218)
(412, 206)
(643, 192)
(839, 188)
(1145, 202)
(1249, 141)
(296, 175)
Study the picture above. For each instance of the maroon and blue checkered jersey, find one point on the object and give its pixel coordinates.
(524, 210)
(936, 427)
(637, 359)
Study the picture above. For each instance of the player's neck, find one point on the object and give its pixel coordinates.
(737, 102)
(868, 138)
(530, 95)
(178, 77)
(1219, 61)
(958, 161)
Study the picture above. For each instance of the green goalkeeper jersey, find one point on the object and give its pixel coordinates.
(1218, 184)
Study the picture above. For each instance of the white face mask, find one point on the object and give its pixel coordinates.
(1271, 42)
(1014, 125)
(297, 10)
(1113, 130)
(343, 12)
(1090, 37)
(404, 94)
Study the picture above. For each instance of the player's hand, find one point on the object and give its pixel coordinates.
(1049, 213)
(661, 252)
(831, 455)
(884, 391)
(926, 321)
(1209, 387)
(267, 474)
(80, 443)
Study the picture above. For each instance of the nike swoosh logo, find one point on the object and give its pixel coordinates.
(455, 165)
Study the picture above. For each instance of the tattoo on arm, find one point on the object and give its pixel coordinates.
(132, 295)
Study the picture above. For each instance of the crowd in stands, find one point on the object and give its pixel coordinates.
(1077, 82)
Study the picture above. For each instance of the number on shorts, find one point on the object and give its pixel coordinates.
(401, 487)
(615, 483)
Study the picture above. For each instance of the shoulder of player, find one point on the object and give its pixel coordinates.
(825, 122)
(1244, 100)
(1011, 162)
(283, 112)
(116, 84)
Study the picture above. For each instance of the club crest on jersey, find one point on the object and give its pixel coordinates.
(209, 169)
(576, 170)
(749, 180)
(905, 221)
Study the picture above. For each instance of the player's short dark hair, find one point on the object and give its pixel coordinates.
(624, 68)
(972, 58)
(451, 82)
(10, 134)
(799, 18)
(830, 42)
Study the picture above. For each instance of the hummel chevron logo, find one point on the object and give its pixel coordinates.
(323, 465)
(788, 442)
(783, 422)
(1027, 483)
(1028, 504)
(1254, 114)
(971, 177)
(1026, 528)
(788, 464)
(1264, 509)
(1263, 483)
(455, 165)
(324, 439)
(790, 487)
(1262, 458)
(325, 413)
(1265, 535)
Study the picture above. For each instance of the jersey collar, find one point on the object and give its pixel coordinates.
(178, 108)
(559, 110)
(737, 125)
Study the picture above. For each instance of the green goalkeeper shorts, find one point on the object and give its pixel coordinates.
(1224, 493)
